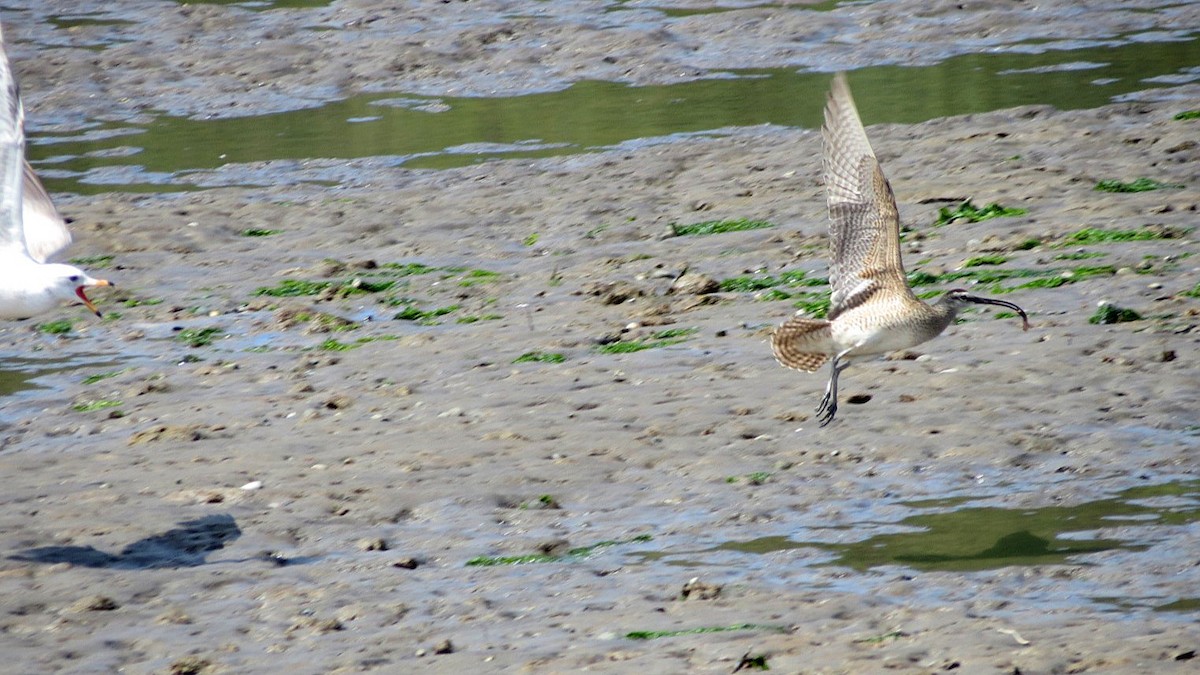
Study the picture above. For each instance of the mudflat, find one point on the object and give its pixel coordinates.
(518, 416)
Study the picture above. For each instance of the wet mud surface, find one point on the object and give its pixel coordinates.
(406, 422)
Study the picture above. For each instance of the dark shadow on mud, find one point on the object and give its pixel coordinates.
(185, 546)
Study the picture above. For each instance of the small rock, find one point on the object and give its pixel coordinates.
(190, 665)
(694, 283)
(443, 647)
(695, 589)
(95, 603)
(373, 544)
(407, 563)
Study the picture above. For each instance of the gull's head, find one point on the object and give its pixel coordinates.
(958, 297)
(69, 283)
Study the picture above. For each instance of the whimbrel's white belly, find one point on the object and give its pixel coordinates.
(872, 332)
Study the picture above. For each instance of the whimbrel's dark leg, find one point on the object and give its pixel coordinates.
(829, 406)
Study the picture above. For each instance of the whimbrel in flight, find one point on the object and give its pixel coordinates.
(872, 310)
(30, 228)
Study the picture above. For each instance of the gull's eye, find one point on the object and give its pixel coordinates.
(74, 278)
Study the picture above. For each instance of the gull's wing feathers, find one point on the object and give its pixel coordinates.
(45, 230)
(864, 225)
(12, 155)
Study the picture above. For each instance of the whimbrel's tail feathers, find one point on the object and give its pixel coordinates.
(803, 344)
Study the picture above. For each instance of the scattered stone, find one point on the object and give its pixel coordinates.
(407, 563)
(190, 665)
(94, 603)
(173, 432)
(695, 589)
(614, 292)
(444, 647)
(694, 283)
(373, 544)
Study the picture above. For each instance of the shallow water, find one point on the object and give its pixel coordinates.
(25, 374)
(982, 538)
(432, 132)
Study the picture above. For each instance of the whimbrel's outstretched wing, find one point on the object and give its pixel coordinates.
(864, 225)
(12, 156)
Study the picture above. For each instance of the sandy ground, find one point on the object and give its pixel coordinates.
(274, 502)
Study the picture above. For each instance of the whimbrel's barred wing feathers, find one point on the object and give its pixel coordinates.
(864, 222)
(12, 154)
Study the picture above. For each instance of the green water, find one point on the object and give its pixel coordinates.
(972, 539)
(20, 374)
(592, 115)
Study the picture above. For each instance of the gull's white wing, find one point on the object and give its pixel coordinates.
(45, 230)
(12, 156)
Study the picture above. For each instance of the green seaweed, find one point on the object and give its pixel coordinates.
(259, 232)
(138, 302)
(1139, 185)
(474, 277)
(662, 338)
(333, 345)
(289, 288)
(980, 260)
(1091, 235)
(756, 478)
(198, 337)
(571, 555)
(475, 318)
(1187, 115)
(973, 214)
(423, 316)
(540, 357)
(405, 269)
(96, 262)
(719, 227)
(751, 283)
(97, 377)
(815, 305)
(90, 406)
(1080, 255)
(57, 327)
(1107, 313)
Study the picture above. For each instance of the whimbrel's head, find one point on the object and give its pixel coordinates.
(958, 297)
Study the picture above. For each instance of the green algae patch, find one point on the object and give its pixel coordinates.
(1113, 314)
(974, 214)
(1139, 185)
(719, 227)
(540, 357)
(662, 338)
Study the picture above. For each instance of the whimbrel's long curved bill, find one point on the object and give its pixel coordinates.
(1001, 303)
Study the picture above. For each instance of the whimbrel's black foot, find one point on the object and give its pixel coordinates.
(827, 409)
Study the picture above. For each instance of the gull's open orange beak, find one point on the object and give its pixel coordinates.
(84, 297)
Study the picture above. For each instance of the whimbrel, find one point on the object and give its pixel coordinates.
(872, 310)
(30, 228)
